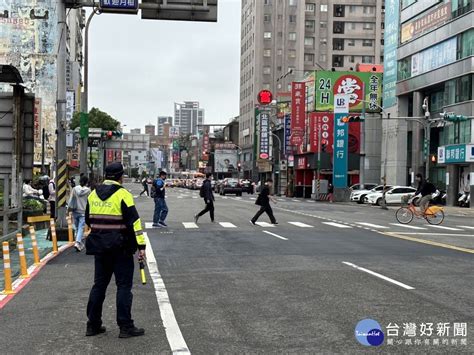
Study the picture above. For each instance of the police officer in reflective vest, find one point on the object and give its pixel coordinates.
(116, 234)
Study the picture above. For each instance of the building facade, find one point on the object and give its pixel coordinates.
(281, 40)
(136, 131)
(160, 122)
(434, 48)
(150, 129)
(188, 116)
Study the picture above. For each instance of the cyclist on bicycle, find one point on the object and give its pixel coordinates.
(425, 189)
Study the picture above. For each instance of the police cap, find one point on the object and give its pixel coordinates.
(114, 171)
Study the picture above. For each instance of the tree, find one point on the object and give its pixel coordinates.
(97, 119)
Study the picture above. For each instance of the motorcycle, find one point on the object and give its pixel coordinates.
(464, 199)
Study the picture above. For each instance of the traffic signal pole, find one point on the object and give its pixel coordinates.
(362, 144)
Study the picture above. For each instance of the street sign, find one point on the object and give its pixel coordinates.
(93, 142)
(341, 141)
(265, 97)
(264, 152)
(84, 121)
(119, 6)
(180, 10)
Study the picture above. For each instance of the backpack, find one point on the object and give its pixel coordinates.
(46, 190)
(431, 188)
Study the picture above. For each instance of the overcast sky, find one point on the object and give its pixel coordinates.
(139, 68)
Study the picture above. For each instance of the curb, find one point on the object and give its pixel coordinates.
(33, 271)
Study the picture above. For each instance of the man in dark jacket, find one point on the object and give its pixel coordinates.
(425, 189)
(116, 234)
(263, 201)
(208, 196)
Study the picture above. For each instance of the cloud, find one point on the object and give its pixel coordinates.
(139, 68)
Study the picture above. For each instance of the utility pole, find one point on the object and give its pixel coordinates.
(43, 143)
(384, 204)
(362, 143)
(61, 165)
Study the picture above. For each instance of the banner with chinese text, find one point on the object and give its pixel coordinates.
(298, 96)
(341, 141)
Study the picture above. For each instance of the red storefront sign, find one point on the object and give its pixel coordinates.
(301, 162)
(37, 121)
(298, 101)
(205, 147)
(118, 155)
(325, 122)
(110, 156)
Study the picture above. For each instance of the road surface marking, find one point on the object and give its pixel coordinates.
(195, 196)
(446, 228)
(225, 198)
(227, 225)
(281, 199)
(424, 241)
(338, 225)
(238, 198)
(252, 198)
(468, 227)
(398, 283)
(264, 224)
(149, 225)
(406, 226)
(173, 333)
(296, 200)
(190, 225)
(372, 225)
(440, 234)
(180, 196)
(275, 235)
(299, 224)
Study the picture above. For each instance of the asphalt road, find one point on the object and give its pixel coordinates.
(298, 287)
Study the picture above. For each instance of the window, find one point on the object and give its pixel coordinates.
(352, 9)
(465, 44)
(292, 36)
(406, 3)
(368, 26)
(267, 2)
(369, 10)
(338, 27)
(460, 7)
(323, 58)
(309, 57)
(404, 68)
(323, 41)
(266, 86)
(267, 18)
(309, 41)
(338, 44)
(279, 68)
(280, 17)
(310, 7)
(367, 43)
(339, 10)
(292, 53)
(367, 59)
(351, 59)
(351, 42)
(292, 18)
(279, 51)
(337, 60)
(280, 34)
(267, 70)
(267, 52)
(351, 25)
(267, 35)
(309, 25)
(293, 2)
(323, 24)
(324, 8)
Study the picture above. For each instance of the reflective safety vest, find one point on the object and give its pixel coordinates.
(113, 218)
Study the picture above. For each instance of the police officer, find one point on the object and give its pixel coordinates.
(116, 234)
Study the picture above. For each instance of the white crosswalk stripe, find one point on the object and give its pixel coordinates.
(301, 225)
(227, 225)
(148, 225)
(406, 226)
(446, 228)
(264, 224)
(372, 225)
(190, 225)
(338, 225)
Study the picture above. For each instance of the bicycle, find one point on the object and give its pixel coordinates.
(433, 214)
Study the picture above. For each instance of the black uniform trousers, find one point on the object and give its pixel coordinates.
(120, 264)
(265, 208)
(209, 208)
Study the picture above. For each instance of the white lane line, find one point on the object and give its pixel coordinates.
(446, 228)
(227, 225)
(195, 196)
(299, 224)
(275, 235)
(252, 198)
(265, 224)
(190, 225)
(180, 196)
(372, 225)
(434, 234)
(338, 225)
(173, 333)
(149, 225)
(398, 283)
(467, 227)
(223, 197)
(295, 200)
(406, 226)
(281, 199)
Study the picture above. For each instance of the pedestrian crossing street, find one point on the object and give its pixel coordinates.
(391, 227)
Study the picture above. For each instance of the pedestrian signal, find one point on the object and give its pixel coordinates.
(351, 119)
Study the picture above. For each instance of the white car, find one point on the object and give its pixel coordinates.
(392, 196)
(367, 186)
(359, 195)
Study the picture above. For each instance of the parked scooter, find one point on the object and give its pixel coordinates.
(464, 200)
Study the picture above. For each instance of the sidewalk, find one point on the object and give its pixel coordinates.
(49, 314)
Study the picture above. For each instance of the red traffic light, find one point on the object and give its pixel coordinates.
(265, 97)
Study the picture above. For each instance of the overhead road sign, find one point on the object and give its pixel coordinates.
(179, 10)
(119, 6)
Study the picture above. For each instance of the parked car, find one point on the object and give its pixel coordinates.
(367, 186)
(231, 186)
(247, 186)
(392, 196)
(359, 195)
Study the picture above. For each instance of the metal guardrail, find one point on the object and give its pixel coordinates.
(7, 209)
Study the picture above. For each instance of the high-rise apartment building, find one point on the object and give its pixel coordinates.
(160, 122)
(187, 116)
(135, 131)
(278, 37)
(150, 129)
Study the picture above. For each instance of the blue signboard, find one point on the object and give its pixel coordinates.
(341, 141)
(392, 14)
(119, 6)
(287, 132)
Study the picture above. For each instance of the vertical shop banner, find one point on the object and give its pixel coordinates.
(341, 141)
(287, 134)
(392, 15)
(205, 146)
(298, 102)
(321, 121)
(264, 151)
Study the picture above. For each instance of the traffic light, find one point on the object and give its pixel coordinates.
(451, 117)
(351, 119)
(239, 166)
(433, 158)
(111, 134)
